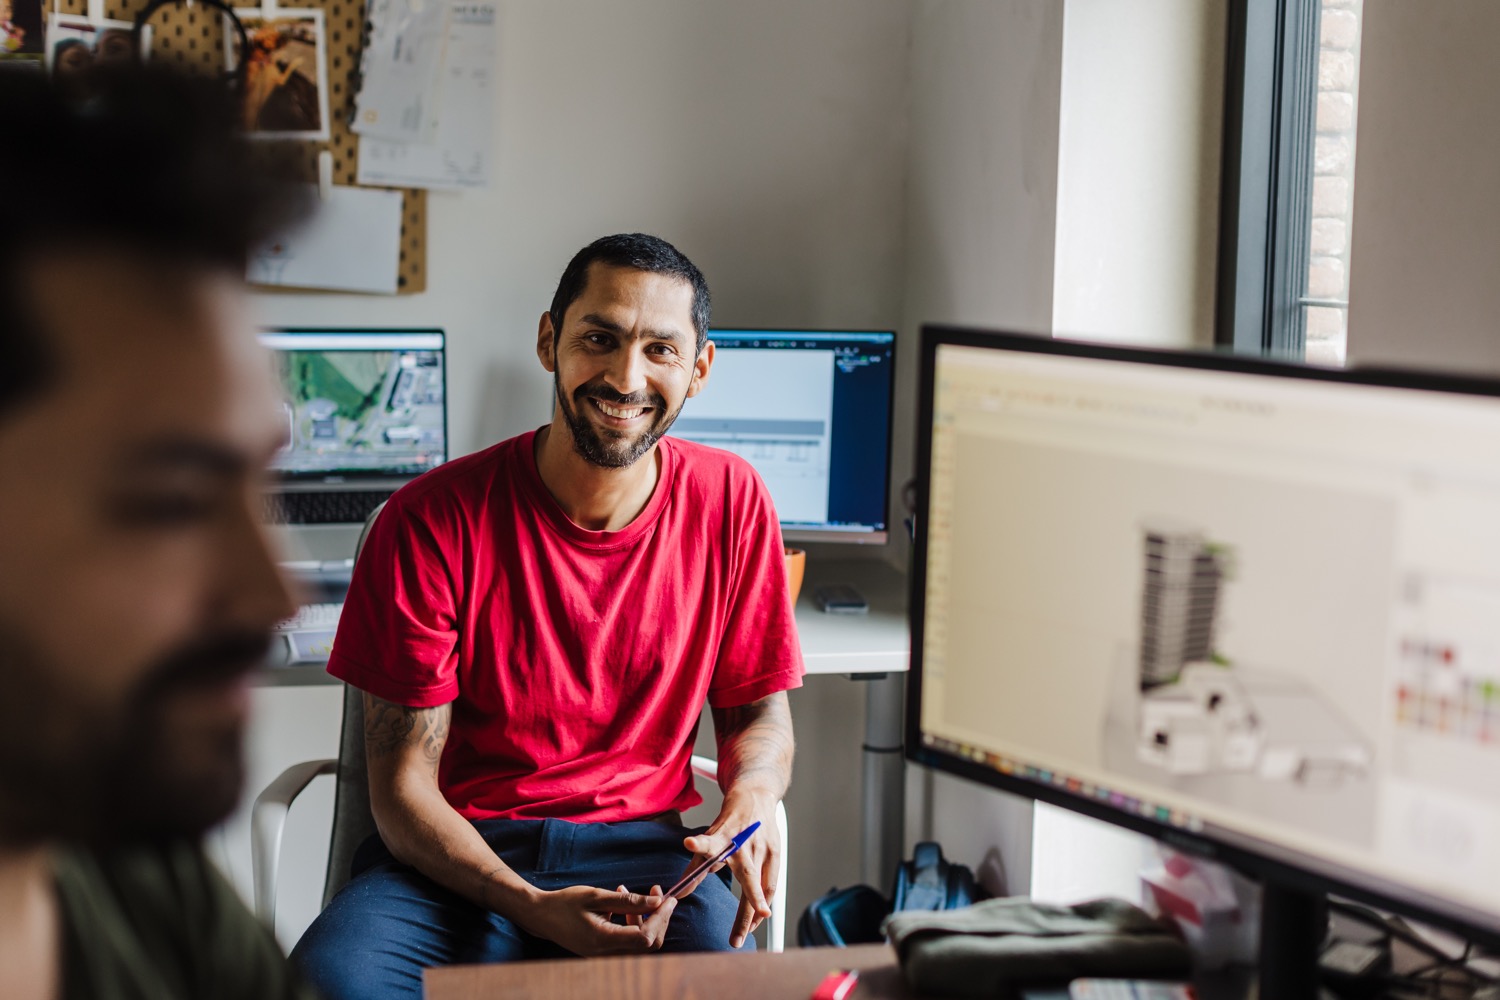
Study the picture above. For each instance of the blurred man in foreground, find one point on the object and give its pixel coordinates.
(136, 587)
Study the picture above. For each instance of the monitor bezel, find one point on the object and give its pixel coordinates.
(365, 475)
(795, 531)
(1257, 858)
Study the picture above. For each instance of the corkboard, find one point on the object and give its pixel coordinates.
(193, 37)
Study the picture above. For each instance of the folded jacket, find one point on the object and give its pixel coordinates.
(1000, 946)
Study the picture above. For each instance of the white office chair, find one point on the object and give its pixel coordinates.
(353, 822)
(268, 821)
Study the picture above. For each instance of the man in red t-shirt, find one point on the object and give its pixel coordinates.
(536, 628)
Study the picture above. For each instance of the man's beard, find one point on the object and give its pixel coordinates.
(82, 772)
(612, 449)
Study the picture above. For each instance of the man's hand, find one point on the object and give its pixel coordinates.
(578, 919)
(404, 747)
(754, 866)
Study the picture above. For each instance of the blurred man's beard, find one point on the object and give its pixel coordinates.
(612, 449)
(144, 770)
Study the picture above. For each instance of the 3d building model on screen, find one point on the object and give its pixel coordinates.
(1200, 711)
(1180, 602)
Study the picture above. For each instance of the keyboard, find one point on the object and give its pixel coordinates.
(323, 506)
(312, 618)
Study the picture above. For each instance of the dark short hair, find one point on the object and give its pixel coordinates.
(642, 253)
(151, 165)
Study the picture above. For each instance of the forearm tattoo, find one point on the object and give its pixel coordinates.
(391, 729)
(755, 743)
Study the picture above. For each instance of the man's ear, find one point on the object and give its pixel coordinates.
(701, 366)
(546, 343)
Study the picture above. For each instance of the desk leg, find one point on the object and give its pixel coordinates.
(884, 801)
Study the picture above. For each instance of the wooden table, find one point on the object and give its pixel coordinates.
(791, 975)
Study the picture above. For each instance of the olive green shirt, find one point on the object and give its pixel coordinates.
(161, 923)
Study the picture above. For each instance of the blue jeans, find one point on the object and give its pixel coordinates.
(391, 922)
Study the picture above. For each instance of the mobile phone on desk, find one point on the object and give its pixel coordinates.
(840, 599)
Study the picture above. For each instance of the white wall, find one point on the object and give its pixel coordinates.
(1426, 225)
(981, 190)
(1138, 171)
(767, 140)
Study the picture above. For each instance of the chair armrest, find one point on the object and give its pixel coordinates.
(267, 821)
(705, 768)
(776, 933)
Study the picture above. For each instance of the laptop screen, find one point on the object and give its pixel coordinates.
(360, 403)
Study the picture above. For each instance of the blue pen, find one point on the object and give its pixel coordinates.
(680, 889)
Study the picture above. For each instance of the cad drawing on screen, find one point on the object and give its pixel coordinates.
(1197, 709)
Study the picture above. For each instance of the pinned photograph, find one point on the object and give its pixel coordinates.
(286, 84)
(21, 35)
(76, 46)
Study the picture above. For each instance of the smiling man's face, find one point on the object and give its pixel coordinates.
(624, 362)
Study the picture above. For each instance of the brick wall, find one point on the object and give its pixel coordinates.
(1333, 181)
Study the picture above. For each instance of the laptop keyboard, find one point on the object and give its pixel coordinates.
(312, 617)
(323, 506)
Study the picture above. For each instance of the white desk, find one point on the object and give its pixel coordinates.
(877, 642)
(874, 643)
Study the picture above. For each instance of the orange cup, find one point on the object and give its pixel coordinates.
(796, 564)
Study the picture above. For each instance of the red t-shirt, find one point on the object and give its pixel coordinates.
(577, 661)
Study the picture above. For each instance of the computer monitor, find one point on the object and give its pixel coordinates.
(811, 411)
(360, 404)
(365, 414)
(1249, 608)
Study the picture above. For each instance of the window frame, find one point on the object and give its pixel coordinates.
(1265, 226)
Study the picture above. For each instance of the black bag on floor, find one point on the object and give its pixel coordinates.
(928, 881)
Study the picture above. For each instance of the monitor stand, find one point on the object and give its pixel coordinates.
(1293, 924)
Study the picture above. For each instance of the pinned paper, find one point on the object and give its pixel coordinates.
(398, 97)
(458, 155)
(351, 244)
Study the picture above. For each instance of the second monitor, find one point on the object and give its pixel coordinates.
(811, 411)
